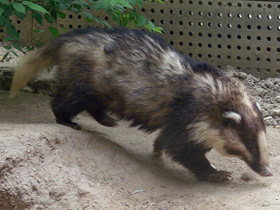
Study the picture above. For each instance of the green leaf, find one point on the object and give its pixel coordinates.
(151, 25)
(39, 43)
(99, 20)
(62, 6)
(81, 2)
(9, 39)
(19, 7)
(133, 14)
(4, 2)
(20, 15)
(38, 17)
(34, 6)
(54, 31)
(5, 56)
(77, 6)
(15, 45)
(88, 16)
(159, 30)
(101, 4)
(14, 53)
(62, 15)
(53, 14)
(113, 3)
(48, 18)
(74, 9)
(8, 12)
(63, 29)
(125, 4)
(8, 47)
(2, 9)
(141, 21)
(13, 33)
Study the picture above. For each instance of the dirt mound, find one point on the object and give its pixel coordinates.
(48, 166)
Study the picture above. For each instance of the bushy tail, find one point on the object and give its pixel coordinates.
(29, 66)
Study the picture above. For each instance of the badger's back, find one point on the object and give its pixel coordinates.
(136, 74)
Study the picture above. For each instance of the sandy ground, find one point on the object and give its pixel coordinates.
(48, 166)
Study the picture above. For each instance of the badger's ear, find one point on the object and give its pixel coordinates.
(232, 116)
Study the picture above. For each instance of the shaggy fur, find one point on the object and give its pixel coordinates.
(138, 77)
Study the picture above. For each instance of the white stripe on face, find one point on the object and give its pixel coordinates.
(263, 148)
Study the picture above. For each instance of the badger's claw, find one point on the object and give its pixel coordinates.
(219, 176)
(69, 124)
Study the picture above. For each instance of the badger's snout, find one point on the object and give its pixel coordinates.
(264, 170)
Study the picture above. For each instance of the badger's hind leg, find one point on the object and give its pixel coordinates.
(97, 111)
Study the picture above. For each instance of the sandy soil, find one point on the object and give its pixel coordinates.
(48, 166)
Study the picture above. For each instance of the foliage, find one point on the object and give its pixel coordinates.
(48, 11)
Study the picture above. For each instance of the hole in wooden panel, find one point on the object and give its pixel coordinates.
(269, 17)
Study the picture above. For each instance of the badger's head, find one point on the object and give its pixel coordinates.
(244, 135)
(232, 123)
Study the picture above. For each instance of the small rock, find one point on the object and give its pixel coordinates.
(27, 89)
(269, 83)
(267, 118)
(275, 112)
(262, 84)
(259, 91)
(277, 99)
(243, 75)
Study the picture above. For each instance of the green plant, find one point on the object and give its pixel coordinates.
(49, 11)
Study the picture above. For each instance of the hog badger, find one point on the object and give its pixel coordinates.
(137, 76)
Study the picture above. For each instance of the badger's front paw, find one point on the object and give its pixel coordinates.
(219, 176)
(69, 124)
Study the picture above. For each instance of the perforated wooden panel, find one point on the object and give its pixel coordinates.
(243, 34)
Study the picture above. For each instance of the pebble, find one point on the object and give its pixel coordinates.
(269, 83)
(27, 89)
(277, 99)
(267, 118)
(259, 91)
(243, 75)
(275, 112)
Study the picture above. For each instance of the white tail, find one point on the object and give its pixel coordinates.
(28, 68)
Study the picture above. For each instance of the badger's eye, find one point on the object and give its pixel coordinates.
(230, 122)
